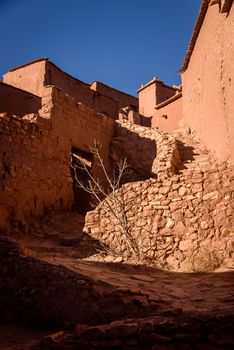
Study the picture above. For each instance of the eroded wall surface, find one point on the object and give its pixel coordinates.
(208, 83)
(36, 156)
(35, 171)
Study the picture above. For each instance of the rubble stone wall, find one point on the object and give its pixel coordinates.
(148, 152)
(181, 222)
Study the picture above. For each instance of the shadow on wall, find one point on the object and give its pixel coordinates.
(140, 153)
(186, 154)
(145, 121)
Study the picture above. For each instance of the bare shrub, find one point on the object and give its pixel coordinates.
(108, 196)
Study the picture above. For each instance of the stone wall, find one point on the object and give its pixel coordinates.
(17, 101)
(181, 222)
(208, 83)
(148, 152)
(169, 114)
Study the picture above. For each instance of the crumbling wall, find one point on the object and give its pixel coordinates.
(169, 114)
(35, 171)
(17, 101)
(208, 83)
(181, 222)
(148, 152)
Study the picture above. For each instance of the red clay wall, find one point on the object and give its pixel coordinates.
(35, 172)
(77, 125)
(35, 153)
(123, 98)
(36, 76)
(208, 83)
(151, 94)
(169, 115)
(18, 102)
(28, 77)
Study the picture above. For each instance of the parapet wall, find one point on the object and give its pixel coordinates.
(123, 99)
(169, 114)
(80, 91)
(37, 75)
(17, 101)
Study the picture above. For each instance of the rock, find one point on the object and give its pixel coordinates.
(182, 191)
(170, 223)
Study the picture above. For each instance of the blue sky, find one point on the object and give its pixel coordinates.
(122, 43)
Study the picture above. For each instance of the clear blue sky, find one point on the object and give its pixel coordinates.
(122, 43)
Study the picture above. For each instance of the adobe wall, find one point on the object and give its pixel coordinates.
(29, 77)
(36, 156)
(208, 83)
(123, 98)
(80, 91)
(17, 101)
(35, 172)
(153, 93)
(35, 76)
(77, 125)
(168, 115)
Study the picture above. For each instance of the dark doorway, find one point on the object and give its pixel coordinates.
(81, 164)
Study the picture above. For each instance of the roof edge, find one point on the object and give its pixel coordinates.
(28, 63)
(195, 34)
(169, 100)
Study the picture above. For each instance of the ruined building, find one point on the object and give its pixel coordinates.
(177, 140)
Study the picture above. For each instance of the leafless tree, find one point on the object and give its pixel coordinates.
(107, 193)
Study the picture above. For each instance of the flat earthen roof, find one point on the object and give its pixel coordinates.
(195, 34)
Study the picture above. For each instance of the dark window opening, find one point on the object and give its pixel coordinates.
(81, 164)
